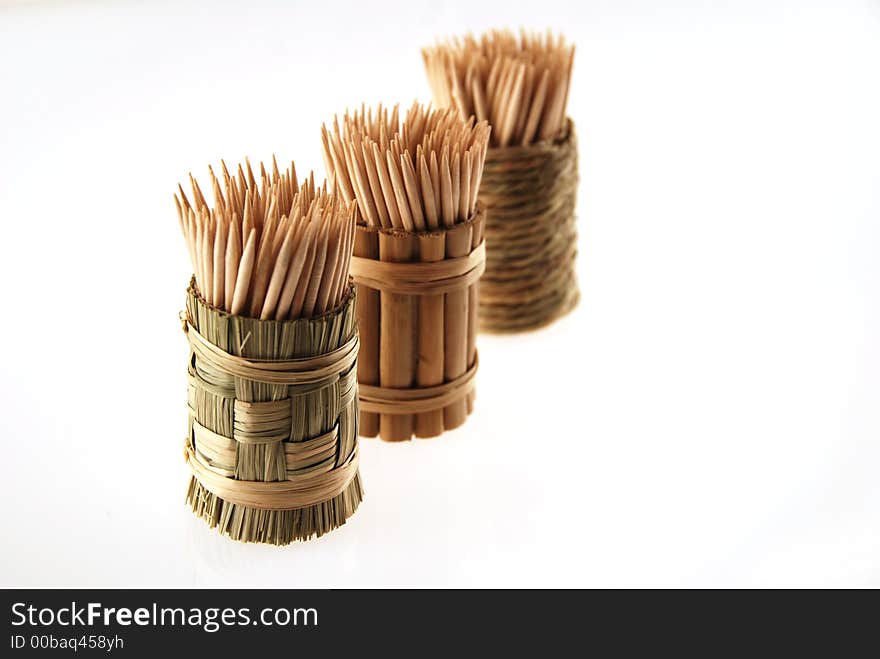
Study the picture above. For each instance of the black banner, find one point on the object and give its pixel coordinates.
(414, 622)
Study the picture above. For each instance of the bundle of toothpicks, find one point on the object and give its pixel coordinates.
(520, 85)
(270, 319)
(418, 254)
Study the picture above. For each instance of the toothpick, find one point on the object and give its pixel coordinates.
(245, 270)
(519, 83)
(276, 280)
(280, 222)
(233, 258)
(218, 260)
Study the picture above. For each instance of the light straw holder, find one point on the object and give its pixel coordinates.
(273, 418)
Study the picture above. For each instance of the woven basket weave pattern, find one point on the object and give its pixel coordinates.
(530, 194)
(250, 430)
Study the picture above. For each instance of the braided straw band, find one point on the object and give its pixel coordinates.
(298, 492)
(310, 370)
(417, 317)
(425, 278)
(272, 445)
(530, 193)
(388, 400)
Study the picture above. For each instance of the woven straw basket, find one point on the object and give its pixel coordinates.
(529, 193)
(273, 422)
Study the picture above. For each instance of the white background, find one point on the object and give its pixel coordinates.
(708, 416)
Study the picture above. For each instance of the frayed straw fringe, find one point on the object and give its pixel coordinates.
(276, 527)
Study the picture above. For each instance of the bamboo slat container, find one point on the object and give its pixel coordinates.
(418, 354)
(418, 255)
(529, 185)
(270, 320)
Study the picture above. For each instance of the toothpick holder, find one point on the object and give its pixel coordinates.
(530, 194)
(273, 416)
(417, 316)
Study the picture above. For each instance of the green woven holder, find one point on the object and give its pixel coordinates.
(273, 416)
